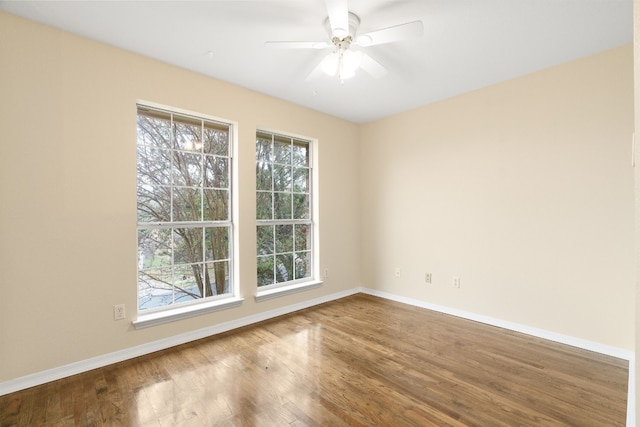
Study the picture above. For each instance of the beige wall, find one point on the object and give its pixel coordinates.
(67, 185)
(523, 189)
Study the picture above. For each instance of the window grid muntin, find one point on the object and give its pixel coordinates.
(172, 224)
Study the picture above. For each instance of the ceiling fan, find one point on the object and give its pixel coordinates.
(344, 60)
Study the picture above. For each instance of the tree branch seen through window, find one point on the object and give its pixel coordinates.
(184, 218)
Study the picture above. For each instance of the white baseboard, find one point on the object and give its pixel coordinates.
(43, 377)
(540, 333)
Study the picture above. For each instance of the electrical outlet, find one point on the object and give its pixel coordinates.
(119, 312)
(427, 277)
(326, 273)
(455, 282)
(398, 273)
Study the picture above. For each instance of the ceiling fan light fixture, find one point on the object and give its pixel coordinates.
(330, 63)
(349, 62)
(343, 62)
(345, 73)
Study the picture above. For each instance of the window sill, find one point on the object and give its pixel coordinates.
(286, 290)
(171, 315)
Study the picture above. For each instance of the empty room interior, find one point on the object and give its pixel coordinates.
(466, 200)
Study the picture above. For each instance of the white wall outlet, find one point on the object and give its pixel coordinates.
(325, 274)
(398, 272)
(428, 278)
(119, 312)
(455, 282)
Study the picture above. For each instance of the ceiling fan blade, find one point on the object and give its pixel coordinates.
(296, 45)
(372, 67)
(338, 11)
(396, 33)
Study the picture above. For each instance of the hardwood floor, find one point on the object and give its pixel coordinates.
(358, 361)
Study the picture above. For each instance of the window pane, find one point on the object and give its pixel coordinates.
(186, 204)
(301, 206)
(265, 239)
(154, 248)
(303, 265)
(303, 242)
(300, 180)
(300, 153)
(155, 288)
(187, 169)
(216, 244)
(215, 141)
(154, 179)
(264, 203)
(263, 176)
(282, 206)
(154, 131)
(187, 245)
(282, 178)
(265, 270)
(217, 278)
(216, 172)
(282, 150)
(216, 205)
(284, 268)
(187, 134)
(186, 279)
(264, 151)
(154, 203)
(154, 166)
(284, 238)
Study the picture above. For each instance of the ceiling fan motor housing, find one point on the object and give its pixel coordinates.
(342, 34)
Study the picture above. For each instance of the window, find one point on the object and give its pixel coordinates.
(283, 209)
(184, 209)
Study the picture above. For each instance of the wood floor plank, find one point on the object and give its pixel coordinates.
(358, 361)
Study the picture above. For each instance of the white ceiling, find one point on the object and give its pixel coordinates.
(467, 44)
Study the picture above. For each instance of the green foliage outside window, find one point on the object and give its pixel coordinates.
(283, 209)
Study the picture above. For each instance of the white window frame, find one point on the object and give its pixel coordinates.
(169, 313)
(267, 292)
